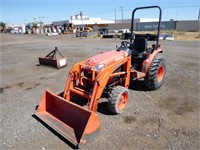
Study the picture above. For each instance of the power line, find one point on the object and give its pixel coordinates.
(127, 8)
(190, 6)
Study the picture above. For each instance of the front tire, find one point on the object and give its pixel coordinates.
(155, 74)
(118, 99)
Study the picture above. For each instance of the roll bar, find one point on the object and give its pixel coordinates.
(133, 17)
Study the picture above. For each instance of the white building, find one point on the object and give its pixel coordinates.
(82, 20)
(16, 28)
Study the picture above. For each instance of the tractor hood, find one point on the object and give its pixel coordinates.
(104, 59)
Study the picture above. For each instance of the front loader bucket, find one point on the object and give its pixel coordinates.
(72, 121)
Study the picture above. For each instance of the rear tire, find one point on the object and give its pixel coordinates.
(155, 74)
(118, 99)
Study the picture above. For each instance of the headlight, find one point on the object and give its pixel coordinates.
(99, 67)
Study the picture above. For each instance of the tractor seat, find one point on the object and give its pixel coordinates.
(140, 45)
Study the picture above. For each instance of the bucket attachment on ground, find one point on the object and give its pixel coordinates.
(53, 60)
(73, 122)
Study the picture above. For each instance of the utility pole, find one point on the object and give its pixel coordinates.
(34, 18)
(199, 15)
(43, 20)
(81, 14)
(26, 22)
(122, 13)
(115, 16)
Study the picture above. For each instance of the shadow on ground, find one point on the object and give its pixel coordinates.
(138, 85)
(55, 133)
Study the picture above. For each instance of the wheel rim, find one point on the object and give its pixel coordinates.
(123, 101)
(160, 74)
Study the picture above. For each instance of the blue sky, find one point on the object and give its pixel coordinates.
(17, 11)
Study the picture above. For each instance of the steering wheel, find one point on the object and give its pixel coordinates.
(125, 44)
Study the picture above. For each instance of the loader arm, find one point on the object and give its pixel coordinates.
(99, 81)
(102, 80)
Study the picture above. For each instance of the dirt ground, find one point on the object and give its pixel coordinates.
(164, 119)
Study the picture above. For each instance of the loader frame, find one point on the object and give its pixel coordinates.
(99, 81)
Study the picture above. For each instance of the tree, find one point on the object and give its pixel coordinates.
(2, 25)
(34, 25)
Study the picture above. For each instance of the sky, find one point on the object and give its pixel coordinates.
(19, 11)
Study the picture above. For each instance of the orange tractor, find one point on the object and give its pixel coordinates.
(108, 72)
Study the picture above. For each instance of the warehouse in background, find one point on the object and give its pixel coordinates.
(182, 25)
(83, 22)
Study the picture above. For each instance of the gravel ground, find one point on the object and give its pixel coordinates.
(164, 119)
